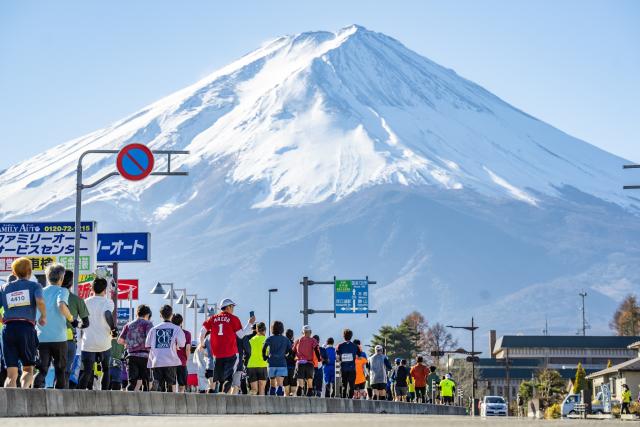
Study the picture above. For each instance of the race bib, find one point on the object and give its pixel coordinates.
(18, 299)
(347, 357)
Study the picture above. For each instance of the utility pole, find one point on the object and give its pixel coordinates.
(472, 329)
(583, 294)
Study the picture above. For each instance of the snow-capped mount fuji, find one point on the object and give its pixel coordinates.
(320, 142)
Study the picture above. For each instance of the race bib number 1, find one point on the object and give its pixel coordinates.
(347, 357)
(18, 298)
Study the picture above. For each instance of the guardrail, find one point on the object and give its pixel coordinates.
(47, 402)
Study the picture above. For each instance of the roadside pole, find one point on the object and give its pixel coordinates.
(81, 186)
(115, 295)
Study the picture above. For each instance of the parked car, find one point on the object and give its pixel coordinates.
(493, 405)
(569, 404)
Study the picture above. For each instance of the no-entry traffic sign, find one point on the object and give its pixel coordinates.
(135, 162)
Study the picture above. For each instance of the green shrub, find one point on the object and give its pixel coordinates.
(553, 412)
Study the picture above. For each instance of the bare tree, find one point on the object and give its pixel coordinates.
(439, 339)
(417, 326)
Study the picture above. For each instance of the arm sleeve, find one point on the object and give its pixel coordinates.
(240, 331)
(83, 311)
(108, 316)
(265, 346)
(387, 364)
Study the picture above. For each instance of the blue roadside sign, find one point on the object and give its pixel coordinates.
(124, 247)
(351, 296)
(123, 313)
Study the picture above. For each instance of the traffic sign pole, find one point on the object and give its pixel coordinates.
(81, 186)
(306, 311)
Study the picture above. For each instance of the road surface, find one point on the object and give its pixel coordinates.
(310, 420)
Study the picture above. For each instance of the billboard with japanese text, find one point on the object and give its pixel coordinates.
(47, 242)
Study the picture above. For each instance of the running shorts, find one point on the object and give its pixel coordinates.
(19, 344)
(305, 371)
(181, 375)
(224, 369)
(257, 374)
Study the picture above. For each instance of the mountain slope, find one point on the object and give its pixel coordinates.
(348, 154)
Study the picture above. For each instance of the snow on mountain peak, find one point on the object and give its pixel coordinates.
(318, 116)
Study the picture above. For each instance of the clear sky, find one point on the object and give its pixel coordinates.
(70, 67)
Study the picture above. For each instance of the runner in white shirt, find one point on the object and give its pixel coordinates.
(96, 339)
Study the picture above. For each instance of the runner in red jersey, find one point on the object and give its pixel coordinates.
(224, 328)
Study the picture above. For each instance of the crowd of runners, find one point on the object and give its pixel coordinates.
(52, 327)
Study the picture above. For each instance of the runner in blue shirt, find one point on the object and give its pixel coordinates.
(52, 337)
(20, 300)
(328, 353)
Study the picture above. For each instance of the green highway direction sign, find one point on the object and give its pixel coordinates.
(351, 296)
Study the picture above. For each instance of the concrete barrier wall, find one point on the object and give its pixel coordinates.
(42, 403)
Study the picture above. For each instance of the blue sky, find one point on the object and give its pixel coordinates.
(71, 67)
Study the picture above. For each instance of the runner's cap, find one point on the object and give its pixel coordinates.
(378, 347)
(226, 303)
(306, 328)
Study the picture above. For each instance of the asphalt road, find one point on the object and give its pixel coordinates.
(311, 420)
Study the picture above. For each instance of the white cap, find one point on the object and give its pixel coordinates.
(448, 376)
(378, 347)
(226, 303)
(306, 328)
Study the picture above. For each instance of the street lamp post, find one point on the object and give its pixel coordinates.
(183, 300)
(194, 304)
(158, 289)
(471, 328)
(270, 292)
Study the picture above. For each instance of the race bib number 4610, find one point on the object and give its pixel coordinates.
(18, 298)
